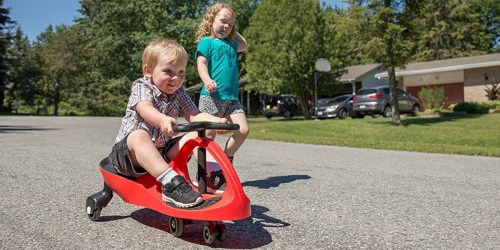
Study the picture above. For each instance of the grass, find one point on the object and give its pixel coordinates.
(467, 135)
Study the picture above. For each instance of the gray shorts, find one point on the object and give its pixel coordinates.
(218, 107)
(122, 162)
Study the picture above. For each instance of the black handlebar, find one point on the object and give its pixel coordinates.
(197, 126)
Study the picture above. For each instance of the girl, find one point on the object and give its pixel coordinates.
(217, 63)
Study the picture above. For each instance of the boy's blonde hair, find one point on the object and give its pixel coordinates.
(205, 27)
(160, 46)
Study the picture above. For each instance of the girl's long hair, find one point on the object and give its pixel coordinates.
(205, 27)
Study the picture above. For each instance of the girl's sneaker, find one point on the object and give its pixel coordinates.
(216, 183)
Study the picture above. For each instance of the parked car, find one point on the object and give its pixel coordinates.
(340, 106)
(322, 101)
(285, 105)
(376, 100)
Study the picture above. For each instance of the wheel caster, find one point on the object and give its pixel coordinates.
(93, 213)
(176, 226)
(221, 232)
(208, 234)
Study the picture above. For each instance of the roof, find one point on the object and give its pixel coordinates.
(445, 65)
(354, 72)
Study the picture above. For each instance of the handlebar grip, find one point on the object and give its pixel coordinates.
(197, 126)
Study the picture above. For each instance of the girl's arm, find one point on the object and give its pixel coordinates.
(202, 65)
(242, 42)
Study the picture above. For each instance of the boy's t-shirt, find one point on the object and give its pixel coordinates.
(222, 58)
(174, 105)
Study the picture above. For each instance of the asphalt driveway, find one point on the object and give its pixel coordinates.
(303, 196)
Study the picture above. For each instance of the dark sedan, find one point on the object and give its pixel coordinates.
(340, 106)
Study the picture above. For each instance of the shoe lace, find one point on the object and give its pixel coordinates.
(183, 188)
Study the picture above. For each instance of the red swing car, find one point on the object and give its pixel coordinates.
(145, 191)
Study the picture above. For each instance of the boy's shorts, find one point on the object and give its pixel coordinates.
(122, 162)
(219, 108)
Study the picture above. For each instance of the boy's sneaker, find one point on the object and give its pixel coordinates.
(216, 183)
(179, 193)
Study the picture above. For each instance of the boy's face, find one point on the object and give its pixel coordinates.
(168, 76)
(223, 23)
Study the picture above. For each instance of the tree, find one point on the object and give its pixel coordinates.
(456, 28)
(59, 58)
(283, 48)
(390, 30)
(22, 74)
(4, 43)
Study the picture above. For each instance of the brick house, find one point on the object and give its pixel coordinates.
(463, 79)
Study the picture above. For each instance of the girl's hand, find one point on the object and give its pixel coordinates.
(221, 131)
(211, 86)
(166, 124)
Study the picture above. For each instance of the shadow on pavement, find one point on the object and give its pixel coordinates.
(17, 129)
(275, 181)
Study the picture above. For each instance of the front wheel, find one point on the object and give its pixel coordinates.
(287, 114)
(342, 114)
(176, 226)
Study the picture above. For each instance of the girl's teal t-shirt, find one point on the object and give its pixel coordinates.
(222, 60)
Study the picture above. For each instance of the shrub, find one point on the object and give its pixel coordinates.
(471, 108)
(432, 97)
(493, 93)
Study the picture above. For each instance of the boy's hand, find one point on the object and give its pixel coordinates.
(166, 125)
(211, 86)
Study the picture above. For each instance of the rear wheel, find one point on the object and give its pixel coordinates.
(387, 111)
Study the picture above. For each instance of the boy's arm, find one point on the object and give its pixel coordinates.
(154, 117)
(242, 42)
(202, 66)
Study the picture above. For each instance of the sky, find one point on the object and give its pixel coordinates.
(34, 16)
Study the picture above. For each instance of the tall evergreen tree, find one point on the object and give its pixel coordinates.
(5, 36)
(22, 74)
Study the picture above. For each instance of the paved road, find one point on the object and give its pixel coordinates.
(303, 196)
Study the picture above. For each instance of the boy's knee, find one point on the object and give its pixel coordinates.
(138, 136)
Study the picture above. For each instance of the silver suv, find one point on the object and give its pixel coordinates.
(376, 100)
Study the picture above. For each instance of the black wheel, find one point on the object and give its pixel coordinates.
(176, 226)
(221, 232)
(375, 115)
(342, 114)
(93, 213)
(268, 116)
(387, 111)
(415, 109)
(208, 234)
(287, 114)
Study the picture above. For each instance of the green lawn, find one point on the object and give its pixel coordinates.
(468, 134)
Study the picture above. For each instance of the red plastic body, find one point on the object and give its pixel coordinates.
(145, 191)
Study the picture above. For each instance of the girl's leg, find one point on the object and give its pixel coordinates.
(236, 140)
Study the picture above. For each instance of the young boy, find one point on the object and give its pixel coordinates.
(145, 140)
